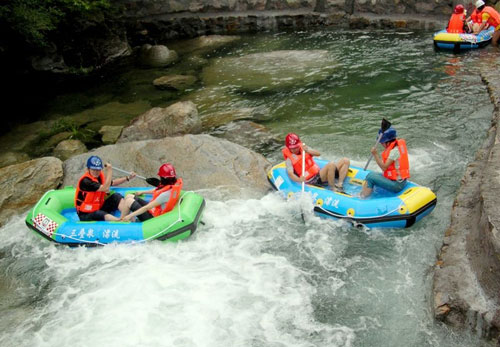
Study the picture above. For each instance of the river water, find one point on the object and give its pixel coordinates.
(256, 274)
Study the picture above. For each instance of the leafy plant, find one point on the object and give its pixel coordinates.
(34, 20)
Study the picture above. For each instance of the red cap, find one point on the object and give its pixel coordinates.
(292, 141)
(459, 9)
(166, 170)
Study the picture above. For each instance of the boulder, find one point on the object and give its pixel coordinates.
(250, 135)
(156, 56)
(270, 71)
(22, 185)
(177, 119)
(68, 148)
(224, 168)
(11, 158)
(203, 44)
(110, 134)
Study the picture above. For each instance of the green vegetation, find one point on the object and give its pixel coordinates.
(34, 20)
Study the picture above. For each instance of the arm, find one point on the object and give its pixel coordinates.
(379, 160)
(121, 180)
(311, 151)
(107, 178)
(291, 172)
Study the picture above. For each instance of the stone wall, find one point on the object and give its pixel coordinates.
(467, 276)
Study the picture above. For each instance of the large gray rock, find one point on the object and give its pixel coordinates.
(203, 161)
(177, 119)
(22, 185)
(270, 71)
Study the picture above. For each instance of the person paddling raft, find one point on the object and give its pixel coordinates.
(293, 151)
(393, 161)
(165, 196)
(92, 201)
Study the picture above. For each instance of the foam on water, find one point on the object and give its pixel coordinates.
(219, 288)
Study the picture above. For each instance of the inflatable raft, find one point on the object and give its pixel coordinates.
(461, 42)
(54, 218)
(381, 209)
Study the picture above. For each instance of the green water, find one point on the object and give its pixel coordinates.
(255, 275)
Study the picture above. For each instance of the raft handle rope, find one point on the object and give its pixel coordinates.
(179, 219)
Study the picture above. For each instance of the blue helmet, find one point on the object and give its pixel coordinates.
(94, 162)
(388, 135)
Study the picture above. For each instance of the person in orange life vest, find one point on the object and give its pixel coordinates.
(456, 23)
(164, 199)
(313, 174)
(394, 163)
(489, 16)
(91, 200)
(474, 21)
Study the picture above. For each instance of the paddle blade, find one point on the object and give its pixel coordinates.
(385, 125)
(153, 181)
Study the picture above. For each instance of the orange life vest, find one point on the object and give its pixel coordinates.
(456, 23)
(494, 19)
(174, 197)
(311, 167)
(88, 202)
(476, 16)
(404, 165)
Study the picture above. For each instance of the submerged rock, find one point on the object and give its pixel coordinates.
(176, 82)
(270, 71)
(156, 56)
(203, 44)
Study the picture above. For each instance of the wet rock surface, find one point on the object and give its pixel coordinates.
(467, 275)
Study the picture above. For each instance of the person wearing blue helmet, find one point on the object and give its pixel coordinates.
(92, 199)
(393, 161)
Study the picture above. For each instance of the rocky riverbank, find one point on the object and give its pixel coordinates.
(467, 273)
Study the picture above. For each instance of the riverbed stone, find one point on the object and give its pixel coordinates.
(68, 148)
(203, 44)
(203, 161)
(11, 158)
(156, 55)
(110, 133)
(179, 118)
(270, 71)
(250, 135)
(176, 82)
(22, 185)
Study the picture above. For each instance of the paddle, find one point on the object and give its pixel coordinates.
(150, 180)
(384, 126)
(303, 182)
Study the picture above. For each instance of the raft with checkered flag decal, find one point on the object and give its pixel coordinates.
(54, 218)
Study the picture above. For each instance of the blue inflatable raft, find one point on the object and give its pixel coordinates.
(381, 209)
(461, 42)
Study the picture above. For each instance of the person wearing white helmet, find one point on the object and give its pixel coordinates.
(489, 16)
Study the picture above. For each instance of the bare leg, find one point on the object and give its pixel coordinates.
(365, 192)
(327, 173)
(343, 167)
(110, 218)
(495, 37)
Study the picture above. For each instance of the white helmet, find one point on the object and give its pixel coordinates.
(479, 3)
